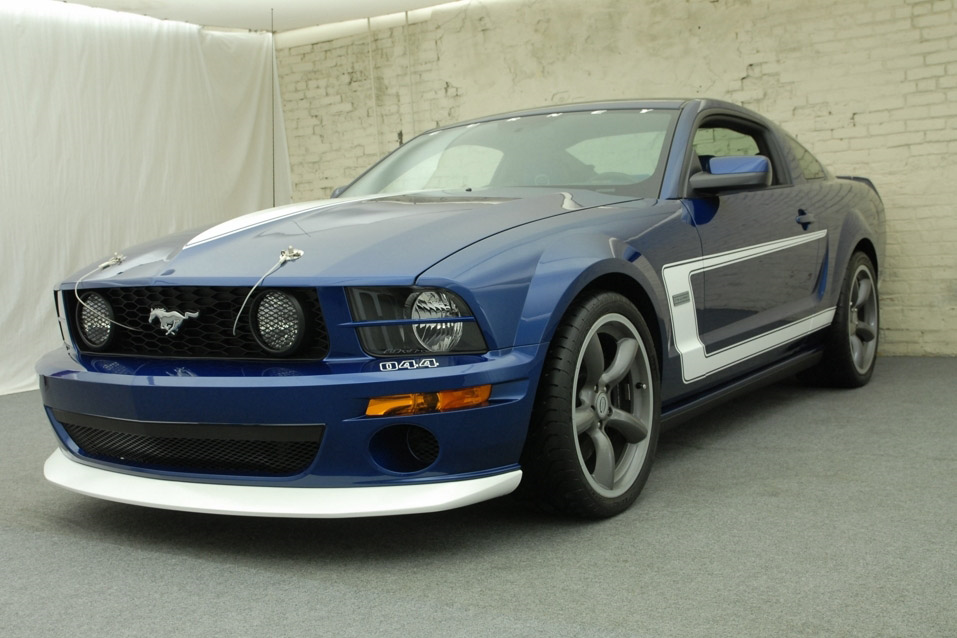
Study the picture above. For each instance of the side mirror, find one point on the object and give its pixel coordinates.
(735, 172)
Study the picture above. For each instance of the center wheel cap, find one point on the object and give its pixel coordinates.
(602, 405)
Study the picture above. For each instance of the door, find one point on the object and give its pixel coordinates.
(761, 259)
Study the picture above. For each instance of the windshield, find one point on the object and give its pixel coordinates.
(613, 151)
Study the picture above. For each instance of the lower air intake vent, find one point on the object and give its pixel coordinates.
(220, 449)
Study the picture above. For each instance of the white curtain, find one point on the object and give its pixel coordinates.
(116, 129)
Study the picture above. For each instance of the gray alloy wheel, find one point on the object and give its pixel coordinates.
(595, 426)
(862, 319)
(613, 406)
(850, 350)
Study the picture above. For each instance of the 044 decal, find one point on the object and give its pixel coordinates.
(696, 362)
(408, 364)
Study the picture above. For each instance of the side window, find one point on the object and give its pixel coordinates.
(721, 142)
(810, 167)
(725, 137)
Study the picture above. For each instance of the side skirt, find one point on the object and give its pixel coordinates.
(686, 410)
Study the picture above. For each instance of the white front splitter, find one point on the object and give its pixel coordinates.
(292, 502)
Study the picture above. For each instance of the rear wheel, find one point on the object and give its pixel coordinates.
(595, 426)
(851, 349)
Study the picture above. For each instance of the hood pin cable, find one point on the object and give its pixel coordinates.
(289, 254)
(115, 260)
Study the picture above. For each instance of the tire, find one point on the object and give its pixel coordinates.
(595, 426)
(850, 349)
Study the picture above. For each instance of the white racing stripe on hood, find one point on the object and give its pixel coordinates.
(264, 217)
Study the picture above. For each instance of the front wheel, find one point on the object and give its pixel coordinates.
(595, 425)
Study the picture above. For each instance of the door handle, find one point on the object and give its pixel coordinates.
(804, 218)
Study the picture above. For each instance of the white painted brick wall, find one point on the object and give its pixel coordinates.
(869, 85)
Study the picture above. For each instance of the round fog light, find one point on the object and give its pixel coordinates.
(278, 322)
(95, 320)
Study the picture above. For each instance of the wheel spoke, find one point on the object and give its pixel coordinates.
(857, 349)
(624, 358)
(864, 291)
(585, 419)
(594, 361)
(865, 332)
(628, 425)
(604, 458)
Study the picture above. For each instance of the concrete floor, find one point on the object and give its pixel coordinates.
(792, 512)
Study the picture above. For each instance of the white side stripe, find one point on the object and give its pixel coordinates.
(696, 363)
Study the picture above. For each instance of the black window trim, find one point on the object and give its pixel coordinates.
(763, 135)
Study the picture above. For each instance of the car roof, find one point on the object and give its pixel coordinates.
(696, 104)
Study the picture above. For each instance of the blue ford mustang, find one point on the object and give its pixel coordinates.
(520, 302)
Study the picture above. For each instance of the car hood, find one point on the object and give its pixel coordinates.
(386, 239)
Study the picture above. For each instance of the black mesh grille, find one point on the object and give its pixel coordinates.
(423, 445)
(277, 321)
(212, 455)
(208, 335)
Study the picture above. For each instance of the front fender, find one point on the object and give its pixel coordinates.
(519, 296)
(568, 268)
(521, 283)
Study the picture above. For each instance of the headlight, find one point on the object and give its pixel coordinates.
(428, 306)
(406, 321)
(95, 319)
(278, 322)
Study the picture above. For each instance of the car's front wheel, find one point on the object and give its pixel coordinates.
(595, 426)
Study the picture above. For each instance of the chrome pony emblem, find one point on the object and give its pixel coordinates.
(170, 320)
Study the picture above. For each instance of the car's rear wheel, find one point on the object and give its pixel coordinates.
(851, 348)
(595, 426)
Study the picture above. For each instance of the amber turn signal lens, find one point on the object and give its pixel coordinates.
(400, 404)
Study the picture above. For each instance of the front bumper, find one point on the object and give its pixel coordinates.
(245, 500)
(478, 448)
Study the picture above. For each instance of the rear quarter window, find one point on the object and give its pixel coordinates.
(810, 167)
